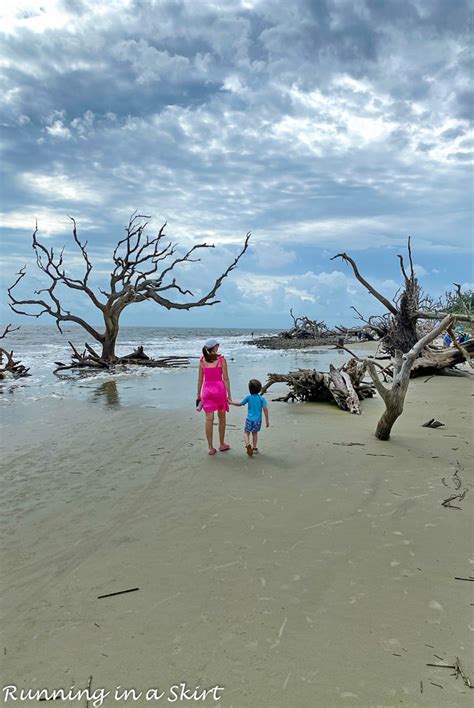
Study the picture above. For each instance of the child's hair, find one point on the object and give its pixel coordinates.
(209, 355)
(255, 386)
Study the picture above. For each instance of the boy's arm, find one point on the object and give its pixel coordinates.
(267, 419)
(243, 402)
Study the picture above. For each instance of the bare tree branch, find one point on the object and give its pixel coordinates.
(366, 284)
(9, 328)
(134, 278)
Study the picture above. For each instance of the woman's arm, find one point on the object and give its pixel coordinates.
(199, 381)
(225, 376)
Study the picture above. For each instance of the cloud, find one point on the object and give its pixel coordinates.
(318, 126)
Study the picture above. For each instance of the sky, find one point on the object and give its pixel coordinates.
(320, 126)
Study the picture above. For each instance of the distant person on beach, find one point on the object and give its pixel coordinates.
(447, 341)
(257, 406)
(213, 392)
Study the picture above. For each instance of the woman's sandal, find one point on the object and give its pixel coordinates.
(224, 448)
(212, 451)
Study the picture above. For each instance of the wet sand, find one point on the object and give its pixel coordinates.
(318, 573)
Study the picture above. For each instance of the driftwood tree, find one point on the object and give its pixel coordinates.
(305, 328)
(394, 397)
(401, 327)
(8, 366)
(144, 269)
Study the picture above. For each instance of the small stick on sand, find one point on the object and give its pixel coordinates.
(459, 672)
(442, 666)
(120, 592)
(471, 579)
(88, 691)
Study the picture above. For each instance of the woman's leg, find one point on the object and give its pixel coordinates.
(222, 421)
(209, 425)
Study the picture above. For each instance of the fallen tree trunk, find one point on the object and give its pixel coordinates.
(431, 362)
(344, 386)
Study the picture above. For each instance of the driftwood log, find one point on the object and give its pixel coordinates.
(8, 366)
(344, 386)
(89, 358)
(435, 362)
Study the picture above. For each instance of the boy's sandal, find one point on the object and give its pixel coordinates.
(212, 451)
(224, 448)
(255, 451)
(249, 449)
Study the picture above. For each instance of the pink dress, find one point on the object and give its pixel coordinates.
(213, 392)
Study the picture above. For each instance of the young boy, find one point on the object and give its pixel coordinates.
(256, 405)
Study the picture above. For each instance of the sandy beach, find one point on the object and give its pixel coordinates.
(318, 573)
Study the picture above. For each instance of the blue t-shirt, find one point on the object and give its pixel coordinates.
(255, 402)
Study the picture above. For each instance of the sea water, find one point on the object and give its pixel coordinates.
(39, 347)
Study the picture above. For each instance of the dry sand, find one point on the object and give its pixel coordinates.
(315, 574)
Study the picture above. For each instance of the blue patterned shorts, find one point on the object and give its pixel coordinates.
(253, 426)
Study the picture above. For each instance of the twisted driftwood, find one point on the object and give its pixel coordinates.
(90, 359)
(435, 362)
(344, 386)
(394, 397)
(11, 367)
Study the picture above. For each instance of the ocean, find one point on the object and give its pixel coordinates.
(40, 346)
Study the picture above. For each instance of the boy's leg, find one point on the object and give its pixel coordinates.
(247, 441)
(255, 441)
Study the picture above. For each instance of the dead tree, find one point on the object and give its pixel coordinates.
(400, 327)
(305, 328)
(394, 397)
(136, 277)
(10, 367)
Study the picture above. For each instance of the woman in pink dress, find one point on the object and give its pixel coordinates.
(213, 392)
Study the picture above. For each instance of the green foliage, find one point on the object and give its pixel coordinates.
(458, 302)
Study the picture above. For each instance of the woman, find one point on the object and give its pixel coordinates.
(213, 391)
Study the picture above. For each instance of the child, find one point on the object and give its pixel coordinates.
(256, 404)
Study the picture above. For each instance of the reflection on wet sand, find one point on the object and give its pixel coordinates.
(108, 391)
